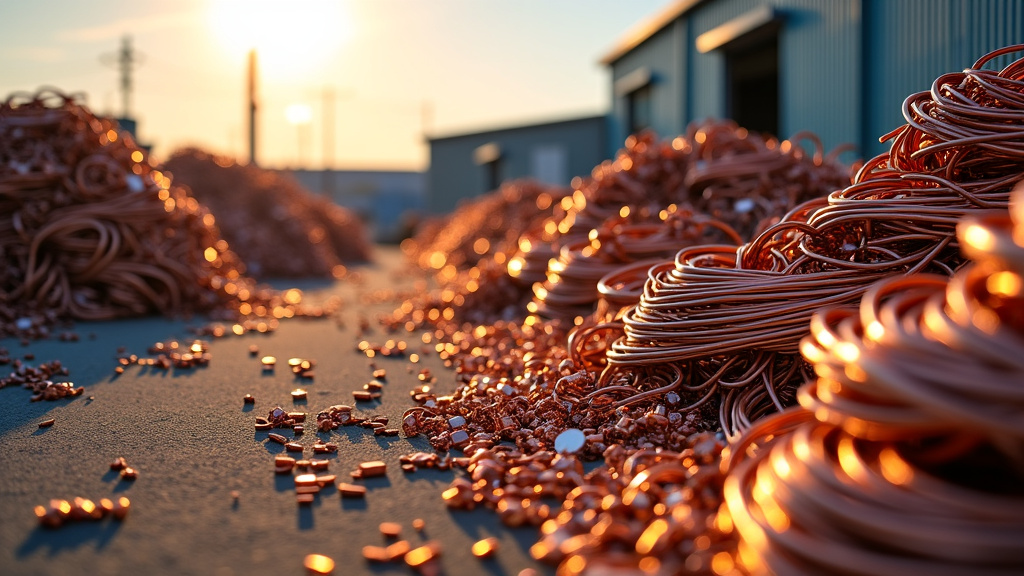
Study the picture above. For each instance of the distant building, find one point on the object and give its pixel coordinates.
(466, 165)
(389, 201)
(838, 68)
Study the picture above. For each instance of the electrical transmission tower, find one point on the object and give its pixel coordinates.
(124, 60)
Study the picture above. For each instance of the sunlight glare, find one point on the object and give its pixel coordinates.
(289, 37)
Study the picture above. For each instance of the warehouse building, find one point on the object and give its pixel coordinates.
(466, 165)
(838, 68)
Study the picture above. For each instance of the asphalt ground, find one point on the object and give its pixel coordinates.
(192, 440)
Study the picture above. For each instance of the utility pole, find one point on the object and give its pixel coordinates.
(252, 106)
(327, 182)
(328, 128)
(125, 60)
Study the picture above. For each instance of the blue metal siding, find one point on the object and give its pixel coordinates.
(663, 53)
(819, 62)
(845, 66)
(912, 42)
(453, 174)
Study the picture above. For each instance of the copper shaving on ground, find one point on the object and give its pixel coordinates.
(60, 512)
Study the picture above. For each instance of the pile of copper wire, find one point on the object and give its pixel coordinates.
(469, 250)
(90, 230)
(718, 178)
(746, 180)
(485, 226)
(717, 183)
(733, 318)
(278, 228)
(906, 454)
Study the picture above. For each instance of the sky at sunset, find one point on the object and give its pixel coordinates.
(391, 70)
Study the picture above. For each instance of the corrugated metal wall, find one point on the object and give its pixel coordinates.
(664, 55)
(819, 61)
(845, 66)
(910, 43)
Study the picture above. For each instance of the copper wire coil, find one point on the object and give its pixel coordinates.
(819, 500)
(623, 286)
(572, 281)
(969, 123)
(906, 454)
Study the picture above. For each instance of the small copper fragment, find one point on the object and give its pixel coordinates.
(235, 495)
(397, 550)
(298, 394)
(325, 480)
(485, 548)
(326, 447)
(351, 490)
(305, 480)
(47, 423)
(390, 529)
(282, 460)
(362, 395)
(254, 350)
(318, 564)
(304, 499)
(420, 556)
(318, 465)
(129, 473)
(418, 524)
(121, 507)
(380, 374)
(307, 489)
(298, 429)
(249, 399)
(376, 554)
(297, 416)
(293, 447)
(277, 438)
(373, 468)
(268, 362)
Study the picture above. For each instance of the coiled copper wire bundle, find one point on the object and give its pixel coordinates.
(968, 126)
(90, 230)
(716, 304)
(572, 282)
(907, 452)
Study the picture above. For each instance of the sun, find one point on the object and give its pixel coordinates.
(290, 36)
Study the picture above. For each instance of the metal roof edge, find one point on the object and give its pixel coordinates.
(647, 28)
(520, 126)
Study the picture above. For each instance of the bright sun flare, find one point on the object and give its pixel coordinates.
(290, 36)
